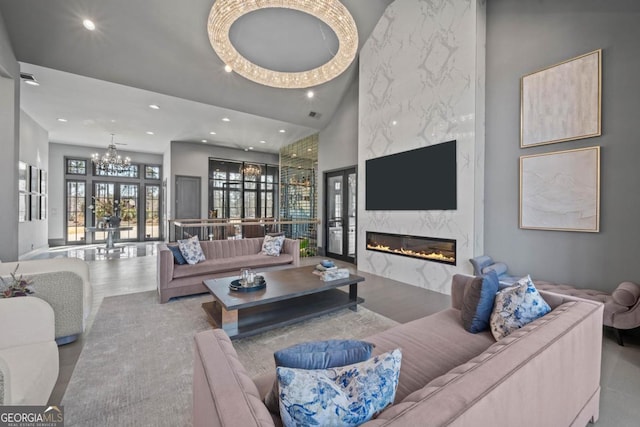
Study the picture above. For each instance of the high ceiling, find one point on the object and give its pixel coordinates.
(157, 52)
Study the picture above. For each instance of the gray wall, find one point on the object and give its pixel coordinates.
(34, 150)
(524, 36)
(9, 144)
(57, 153)
(191, 159)
(338, 145)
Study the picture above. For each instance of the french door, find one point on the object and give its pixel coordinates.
(111, 198)
(340, 198)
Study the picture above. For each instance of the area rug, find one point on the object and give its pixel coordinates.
(136, 366)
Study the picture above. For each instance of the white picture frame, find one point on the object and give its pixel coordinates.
(562, 102)
(561, 190)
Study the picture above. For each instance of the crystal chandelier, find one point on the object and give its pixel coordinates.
(250, 171)
(110, 160)
(333, 13)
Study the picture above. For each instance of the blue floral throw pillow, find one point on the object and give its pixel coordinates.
(342, 396)
(272, 245)
(516, 306)
(191, 250)
(317, 355)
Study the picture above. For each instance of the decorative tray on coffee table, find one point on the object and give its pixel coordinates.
(258, 283)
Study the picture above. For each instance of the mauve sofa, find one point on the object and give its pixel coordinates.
(223, 258)
(544, 374)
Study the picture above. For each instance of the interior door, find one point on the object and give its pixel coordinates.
(187, 197)
(340, 214)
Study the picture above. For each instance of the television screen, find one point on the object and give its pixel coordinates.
(421, 179)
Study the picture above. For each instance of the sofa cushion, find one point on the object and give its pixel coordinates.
(222, 265)
(345, 396)
(318, 355)
(191, 250)
(177, 255)
(272, 245)
(516, 306)
(431, 346)
(477, 303)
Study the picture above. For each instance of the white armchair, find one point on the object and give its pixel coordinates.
(28, 351)
(63, 283)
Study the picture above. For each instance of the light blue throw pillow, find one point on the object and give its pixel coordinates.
(191, 250)
(323, 354)
(516, 306)
(342, 396)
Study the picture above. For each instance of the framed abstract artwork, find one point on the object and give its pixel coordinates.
(561, 190)
(43, 182)
(562, 102)
(23, 176)
(35, 179)
(23, 207)
(35, 207)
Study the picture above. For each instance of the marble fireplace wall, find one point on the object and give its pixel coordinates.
(422, 83)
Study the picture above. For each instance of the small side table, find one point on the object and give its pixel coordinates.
(109, 246)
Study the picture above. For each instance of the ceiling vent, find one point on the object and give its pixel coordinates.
(29, 79)
(314, 114)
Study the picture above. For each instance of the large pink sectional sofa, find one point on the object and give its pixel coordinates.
(544, 374)
(223, 258)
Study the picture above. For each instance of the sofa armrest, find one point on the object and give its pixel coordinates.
(165, 266)
(40, 266)
(223, 393)
(292, 246)
(25, 320)
(626, 294)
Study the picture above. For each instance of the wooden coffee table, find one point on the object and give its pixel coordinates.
(291, 295)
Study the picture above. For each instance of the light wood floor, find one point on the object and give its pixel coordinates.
(620, 380)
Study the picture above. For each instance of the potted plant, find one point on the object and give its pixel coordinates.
(16, 287)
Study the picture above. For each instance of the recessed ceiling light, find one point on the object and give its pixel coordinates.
(294, 155)
(310, 94)
(282, 131)
(62, 120)
(228, 68)
(393, 123)
(263, 142)
(204, 140)
(250, 148)
(308, 149)
(89, 25)
(226, 119)
(212, 133)
(29, 79)
(149, 132)
(154, 106)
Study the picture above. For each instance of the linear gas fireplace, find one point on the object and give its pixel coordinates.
(426, 248)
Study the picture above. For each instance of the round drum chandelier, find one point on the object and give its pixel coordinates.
(333, 13)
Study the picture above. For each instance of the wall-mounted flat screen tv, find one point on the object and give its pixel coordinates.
(421, 179)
